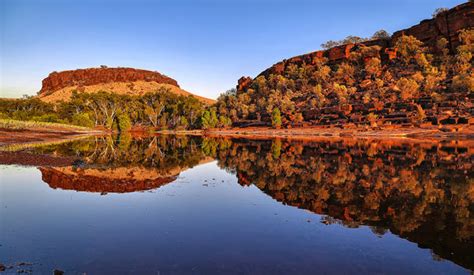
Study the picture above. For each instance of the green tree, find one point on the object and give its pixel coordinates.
(276, 118)
(82, 119)
(123, 122)
(209, 119)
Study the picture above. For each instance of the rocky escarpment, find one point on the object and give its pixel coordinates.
(419, 77)
(447, 25)
(60, 85)
(92, 76)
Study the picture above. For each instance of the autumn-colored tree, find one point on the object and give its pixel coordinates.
(407, 88)
(409, 48)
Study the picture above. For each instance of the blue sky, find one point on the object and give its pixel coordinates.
(205, 45)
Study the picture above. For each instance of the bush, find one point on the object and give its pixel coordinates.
(209, 119)
(409, 47)
(46, 118)
(381, 34)
(183, 123)
(463, 83)
(123, 122)
(276, 118)
(408, 88)
(83, 120)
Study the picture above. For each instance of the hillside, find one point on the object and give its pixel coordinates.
(420, 75)
(60, 85)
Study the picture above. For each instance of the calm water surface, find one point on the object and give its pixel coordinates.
(167, 205)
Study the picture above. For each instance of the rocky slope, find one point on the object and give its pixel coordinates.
(59, 85)
(447, 25)
(420, 75)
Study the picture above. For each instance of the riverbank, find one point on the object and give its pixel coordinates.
(30, 132)
(466, 132)
(25, 133)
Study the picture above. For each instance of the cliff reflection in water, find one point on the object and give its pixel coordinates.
(122, 164)
(421, 192)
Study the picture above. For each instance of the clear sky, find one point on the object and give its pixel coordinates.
(205, 45)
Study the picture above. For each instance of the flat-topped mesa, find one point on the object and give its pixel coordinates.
(59, 86)
(446, 24)
(93, 76)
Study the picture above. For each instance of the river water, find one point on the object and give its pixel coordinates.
(180, 205)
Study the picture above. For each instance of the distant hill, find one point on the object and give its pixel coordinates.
(60, 85)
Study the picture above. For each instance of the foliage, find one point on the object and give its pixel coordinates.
(123, 122)
(276, 118)
(409, 48)
(160, 109)
(307, 90)
(82, 119)
(31, 125)
(407, 88)
(381, 34)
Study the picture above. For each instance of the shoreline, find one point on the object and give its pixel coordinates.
(318, 132)
(34, 137)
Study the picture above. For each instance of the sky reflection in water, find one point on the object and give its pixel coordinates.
(188, 205)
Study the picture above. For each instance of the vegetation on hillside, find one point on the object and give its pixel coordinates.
(306, 92)
(160, 110)
(364, 88)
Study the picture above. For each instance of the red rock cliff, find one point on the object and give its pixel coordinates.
(447, 24)
(92, 76)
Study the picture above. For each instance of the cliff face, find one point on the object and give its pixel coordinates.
(370, 84)
(60, 85)
(92, 76)
(447, 25)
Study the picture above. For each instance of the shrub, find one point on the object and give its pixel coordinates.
(408, 88)
(123, 122)
(83, 120)
(381, 34)
(409, 47)
(463, 82)
(276, 118)
(372, 118)
(46, 118)
(183, 123)
(420, 114)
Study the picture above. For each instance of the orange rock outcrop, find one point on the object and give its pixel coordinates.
(92, 76)
(447, 25)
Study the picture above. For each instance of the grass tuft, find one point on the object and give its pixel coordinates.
(12, 124)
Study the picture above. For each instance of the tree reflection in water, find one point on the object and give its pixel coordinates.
(122, 164)
(423, 192)
(420, 191)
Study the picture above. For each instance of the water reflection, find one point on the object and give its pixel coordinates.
(420, 191)
(120, 164)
